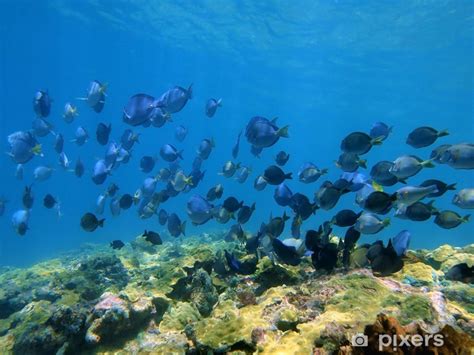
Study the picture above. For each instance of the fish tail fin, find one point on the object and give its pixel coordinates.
(238, 165)
(190, 91)
(189, 181)
(101, 222)
(213, 142)
(403, 181)
(283, 132)
(219, 102)
(285, 217)
(386, 222)
(465, 219)
(451, 186)
(37, 150)
(289, 176)
(253, 206)
(336, 163)
(183, 228)
(443, 133)
(362, 163)
(180, 154)
(377, 141)
(324, 171)
(377, 186)
(427, 163)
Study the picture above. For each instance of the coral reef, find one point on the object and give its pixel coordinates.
(180, 298)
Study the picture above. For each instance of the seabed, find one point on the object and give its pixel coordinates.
(181, 298)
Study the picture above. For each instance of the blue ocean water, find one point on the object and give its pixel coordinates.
(324, 68)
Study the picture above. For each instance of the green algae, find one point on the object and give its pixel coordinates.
(416, 308)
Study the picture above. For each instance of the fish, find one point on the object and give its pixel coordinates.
(19, 172)
(464, 199)
(380, 130)
(175, 98)
(310, 173)
(152, 237)
(158, 117)
(27, 197)
(381, 174)
(459, 156)
(260, 183)
(355, 181)
(450, 219)
(328, 195)
(175, 226)
(420, 211)
(102, 133)
(112, 190)
(42, 103)
(205, 148)
(245, 213)
(408, 195)
(276, 226)
(282, 158)
(20, 220)
(222, 215)
(117, 244)
(100, 172)
(369, 223)
(461, 272)
(424, 136)
(235, 233)
(437, 153)
(63, 160)
(350, 162)
(199, 210)
(359, 143)
(122, 155)
(125, 201)
(70, 112)
(162, 217)
(229, 169)
(147, 164)
(243, 174)
(181, 181)
(384, 260)
(235, 148)
(100, 203)
(401, 242)
(379, 202)
(350, 239)
(59, 143)
(180, 133)
(81, 136)
(114, 206)
(237, 266)
(42, 173)
(90, 223)
(95, 95)
(79, 168)
(325, 257)
(282, 195)
(169, 153)
(195, 176)
(232, 205)
(139, 109)
(286, 254)
(345, 218)
(263, 133)
(23, 147)
(149, 186)
(273, 175)
(49, 201)
(215, 192)
(211, 107)
(440, 186)
(112, 154)
(300, 204)
(409, 165)
(296, 226)
(128, 139)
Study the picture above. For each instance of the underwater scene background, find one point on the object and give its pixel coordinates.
(330, 257)
(324, 68)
